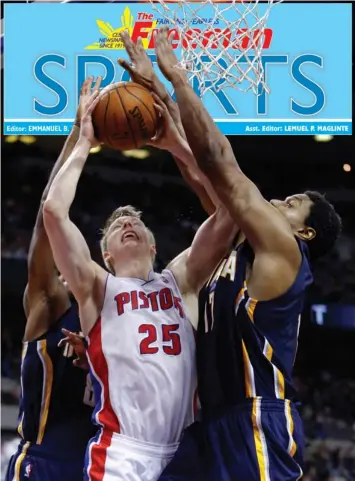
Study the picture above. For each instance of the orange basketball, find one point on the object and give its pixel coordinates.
(124, 117)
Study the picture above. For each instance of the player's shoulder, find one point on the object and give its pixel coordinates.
(281, 281)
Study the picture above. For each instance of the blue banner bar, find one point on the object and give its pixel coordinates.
(227, 128)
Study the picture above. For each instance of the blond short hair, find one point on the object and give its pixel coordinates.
(125, 211)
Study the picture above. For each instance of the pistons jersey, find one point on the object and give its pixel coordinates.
(141, 353)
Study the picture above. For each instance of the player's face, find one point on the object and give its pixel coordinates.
(127, 233)
(295, 208)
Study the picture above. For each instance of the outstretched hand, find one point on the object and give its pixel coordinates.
(85, 93)
(141, 68)
(166, 58)
(86, 126)
(77, 342)
(168, 136)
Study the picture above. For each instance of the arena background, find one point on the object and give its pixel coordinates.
(148, 179)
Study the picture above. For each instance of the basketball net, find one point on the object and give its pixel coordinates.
(224, 51)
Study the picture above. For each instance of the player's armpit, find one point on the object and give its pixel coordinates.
(193, 267)
(43, 285)
(43, 308)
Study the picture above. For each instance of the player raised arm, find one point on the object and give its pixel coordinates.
(71, 253)
(142, 72)
(194, 266)
(169, 138)
(45, 298)
(265, 228)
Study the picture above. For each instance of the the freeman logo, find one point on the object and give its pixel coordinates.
(206, 35)
(110, 39)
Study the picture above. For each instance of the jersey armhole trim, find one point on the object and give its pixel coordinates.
(102, 306)
(173, 278)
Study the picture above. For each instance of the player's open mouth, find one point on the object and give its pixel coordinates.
(130, 235)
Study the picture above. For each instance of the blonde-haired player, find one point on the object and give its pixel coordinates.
(126, 211)
(141, 347)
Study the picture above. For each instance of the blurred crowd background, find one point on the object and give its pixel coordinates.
(149, 180)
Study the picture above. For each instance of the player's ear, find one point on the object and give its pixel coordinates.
(153, 253)
(107, 259)
(306, 234)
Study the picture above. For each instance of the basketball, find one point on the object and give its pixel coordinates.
(125, 117)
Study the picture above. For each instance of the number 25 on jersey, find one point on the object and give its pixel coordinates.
(171, 344)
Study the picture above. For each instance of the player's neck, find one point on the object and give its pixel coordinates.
(135, 268)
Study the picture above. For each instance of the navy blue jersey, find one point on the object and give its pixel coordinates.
(246, 348)
(57, 398)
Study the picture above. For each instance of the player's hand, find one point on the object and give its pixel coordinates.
(77, 342)
(168, 136)
(141, 68)
(85, 92)
(166, 58)
(86, 126)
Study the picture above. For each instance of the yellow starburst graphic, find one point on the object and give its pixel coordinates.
(111, 37)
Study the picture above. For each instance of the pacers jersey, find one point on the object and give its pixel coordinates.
(246, 348)
(56, 401)
(142, 359)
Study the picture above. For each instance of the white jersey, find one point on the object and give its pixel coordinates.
(142, 357)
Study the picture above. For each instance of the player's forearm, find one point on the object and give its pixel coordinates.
(62, 191)
(207, 143)
(159, 88)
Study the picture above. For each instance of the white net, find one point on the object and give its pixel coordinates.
(221, 42)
